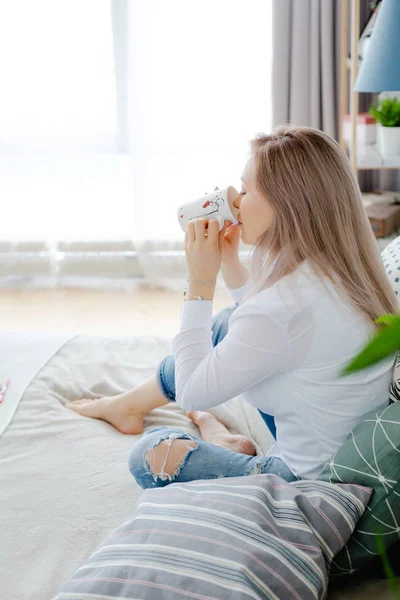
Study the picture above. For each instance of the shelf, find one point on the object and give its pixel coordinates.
(368, 157)
(362, 158)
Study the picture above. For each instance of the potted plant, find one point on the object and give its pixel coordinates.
(387, 115)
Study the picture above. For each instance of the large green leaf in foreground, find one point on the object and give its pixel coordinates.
(385, 342)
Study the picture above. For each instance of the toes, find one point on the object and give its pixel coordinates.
(239, 443)
(192, 415)
(78, 405)
(247, 447)
(83, 401)
(73, 406)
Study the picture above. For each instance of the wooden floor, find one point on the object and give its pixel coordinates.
(143, 312)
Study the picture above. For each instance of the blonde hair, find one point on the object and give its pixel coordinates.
(318, 216)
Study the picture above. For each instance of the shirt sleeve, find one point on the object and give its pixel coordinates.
(253, 350)
(238, 293)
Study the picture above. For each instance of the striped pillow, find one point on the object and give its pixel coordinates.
(394, 390)
(239, 537)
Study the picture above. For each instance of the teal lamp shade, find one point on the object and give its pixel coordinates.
(380, 68)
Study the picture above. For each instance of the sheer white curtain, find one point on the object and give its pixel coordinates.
(199, 88)
(58, 156)
(66, 190)
(114, 112)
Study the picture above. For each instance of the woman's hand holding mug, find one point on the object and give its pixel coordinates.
(234, 273)
(230, 242)
(203, 258)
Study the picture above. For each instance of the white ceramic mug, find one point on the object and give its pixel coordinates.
(216, 205)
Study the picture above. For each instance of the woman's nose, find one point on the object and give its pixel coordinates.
(236, 202)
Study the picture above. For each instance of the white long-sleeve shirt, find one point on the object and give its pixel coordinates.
(283, 352)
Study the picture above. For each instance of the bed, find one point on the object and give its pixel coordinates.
(65, 482)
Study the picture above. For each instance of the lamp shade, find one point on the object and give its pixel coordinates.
(380, 68)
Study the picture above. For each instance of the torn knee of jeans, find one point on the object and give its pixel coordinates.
(256, 468)
(165, 465)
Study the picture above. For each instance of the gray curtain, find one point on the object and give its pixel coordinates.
(305, 71)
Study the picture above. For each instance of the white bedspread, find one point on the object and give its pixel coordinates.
(64, 479)
(22, 355)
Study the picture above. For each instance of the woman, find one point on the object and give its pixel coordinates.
(316, 286)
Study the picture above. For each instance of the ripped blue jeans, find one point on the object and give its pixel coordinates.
(204, 460)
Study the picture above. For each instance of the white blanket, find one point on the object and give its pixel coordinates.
(64, 478)
(22, 355)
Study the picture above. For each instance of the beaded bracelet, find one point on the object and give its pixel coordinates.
(209, 282)
(186, 294)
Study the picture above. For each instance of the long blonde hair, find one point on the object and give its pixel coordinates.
(318, 216)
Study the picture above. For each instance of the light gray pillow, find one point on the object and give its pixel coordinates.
(237, 538)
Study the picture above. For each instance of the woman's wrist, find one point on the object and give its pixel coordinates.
(204, 290)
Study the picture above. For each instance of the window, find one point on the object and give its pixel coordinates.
(60, 174)
(201, 88)
(57, 70)
(191, 80)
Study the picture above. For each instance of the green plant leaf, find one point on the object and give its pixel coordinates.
(394, 586)
(387, 112)
(385, 342)
(388, 319)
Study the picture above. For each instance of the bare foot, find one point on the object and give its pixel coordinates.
(125, 411)
(216, 433)
(115, 410)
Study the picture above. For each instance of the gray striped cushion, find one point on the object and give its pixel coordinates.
(394, 391)
(237, 538)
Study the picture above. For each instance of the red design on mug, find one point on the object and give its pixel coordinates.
(206, 204)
